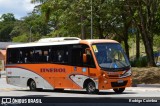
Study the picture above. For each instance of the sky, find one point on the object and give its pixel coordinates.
(19, 8)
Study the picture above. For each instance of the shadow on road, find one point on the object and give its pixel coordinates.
(80, 92)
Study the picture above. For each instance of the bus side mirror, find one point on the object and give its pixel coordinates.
(86, 55)
(84, 58)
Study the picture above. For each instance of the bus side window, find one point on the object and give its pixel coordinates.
(42, 54)
(37, 57)
(26, 55)
(20, 57)
(59, 54)
(45, 56)
(53, 56)
(66, 56)
(90, 61)
(77, 56)
(25, 58)
(13, 56)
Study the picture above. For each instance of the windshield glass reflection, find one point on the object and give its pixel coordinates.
(110, 55)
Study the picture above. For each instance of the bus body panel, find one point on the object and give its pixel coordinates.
(19, 77)
(49, 76)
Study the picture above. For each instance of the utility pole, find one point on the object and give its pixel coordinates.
(91, 19)
(30, 39)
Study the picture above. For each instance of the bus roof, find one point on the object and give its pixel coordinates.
(92, 41)
(61, 42)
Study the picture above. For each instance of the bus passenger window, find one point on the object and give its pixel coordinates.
(37, 56)
(45, 56)
(13, 56)
(59, 54)
(27, 58)
(77, 56)
(66, 57)
(20, 57)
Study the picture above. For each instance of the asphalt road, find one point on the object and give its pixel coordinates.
(80, 96)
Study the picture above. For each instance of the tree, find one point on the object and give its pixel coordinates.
(146, 11)
(6, 26)
(110, 17)
(67, 16)
(72, 18)
(8, 17)
(31, 27)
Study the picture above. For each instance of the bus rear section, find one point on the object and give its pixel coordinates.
(82, 64)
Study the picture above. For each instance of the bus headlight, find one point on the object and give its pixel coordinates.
(104, 75)
(105, 81)
(127, 73)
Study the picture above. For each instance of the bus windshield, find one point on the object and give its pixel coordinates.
(110, 56)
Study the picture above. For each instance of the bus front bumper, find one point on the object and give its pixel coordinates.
(115, 83)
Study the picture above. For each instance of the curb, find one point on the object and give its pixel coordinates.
(2, 74)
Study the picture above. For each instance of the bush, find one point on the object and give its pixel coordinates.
(21, 38)
(141, 62)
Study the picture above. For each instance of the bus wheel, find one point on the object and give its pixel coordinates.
(91, 88)
(32, 85)
(119, 90)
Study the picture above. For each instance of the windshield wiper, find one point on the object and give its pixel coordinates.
(116, 69)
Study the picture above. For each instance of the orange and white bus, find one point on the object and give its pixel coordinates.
(69, 63)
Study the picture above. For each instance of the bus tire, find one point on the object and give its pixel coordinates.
(91, 88)
(119, 90)
(32, 85)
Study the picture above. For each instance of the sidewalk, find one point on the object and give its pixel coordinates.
(2, 74)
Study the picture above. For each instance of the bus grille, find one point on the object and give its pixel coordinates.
(115, 76)
(116, 84)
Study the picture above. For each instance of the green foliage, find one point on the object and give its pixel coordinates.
(7, 17)
(6, 26)
(5, 30)
(73, 18)
(20, 38)
(141, 62)
(111, 19)
(157, 42)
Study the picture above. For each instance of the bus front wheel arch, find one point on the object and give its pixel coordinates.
(32, 85)
(90, 86)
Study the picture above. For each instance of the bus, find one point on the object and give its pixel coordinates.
(69, 63)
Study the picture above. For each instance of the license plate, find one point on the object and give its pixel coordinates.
(120, 81)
